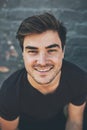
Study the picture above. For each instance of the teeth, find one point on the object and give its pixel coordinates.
(43, 70)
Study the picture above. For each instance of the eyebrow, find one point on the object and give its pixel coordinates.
(31, 47)
(47, 47)
(53, 46)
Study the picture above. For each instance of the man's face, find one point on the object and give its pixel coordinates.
(43, 56)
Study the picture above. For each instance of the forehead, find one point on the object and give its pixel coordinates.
(42, 40)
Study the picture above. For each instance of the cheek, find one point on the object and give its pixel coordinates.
(61, 56)
(28, 61)
(58, 58)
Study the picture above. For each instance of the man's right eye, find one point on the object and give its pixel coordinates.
(32, 52)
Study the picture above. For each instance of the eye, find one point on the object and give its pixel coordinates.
(52, 51)
(32, 52)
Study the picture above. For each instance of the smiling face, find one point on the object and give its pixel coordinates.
(43, 55)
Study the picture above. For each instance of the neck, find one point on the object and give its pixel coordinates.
(46, 88)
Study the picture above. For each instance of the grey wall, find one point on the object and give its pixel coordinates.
(72, 12)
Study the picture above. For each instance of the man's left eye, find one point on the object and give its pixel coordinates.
(52, 51)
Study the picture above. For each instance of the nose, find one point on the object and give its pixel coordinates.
(42, 59)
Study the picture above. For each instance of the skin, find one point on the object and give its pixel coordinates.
(9, 125)
(43, 55)
(75, 117)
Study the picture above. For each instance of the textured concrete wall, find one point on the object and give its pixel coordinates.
(72, 12)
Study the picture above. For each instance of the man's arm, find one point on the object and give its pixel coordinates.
(75, 117)
(9, 125)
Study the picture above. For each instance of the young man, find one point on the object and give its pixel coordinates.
(33, 97)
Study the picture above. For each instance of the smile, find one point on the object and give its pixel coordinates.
(43, 69)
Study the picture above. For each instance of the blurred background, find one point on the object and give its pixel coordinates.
(73, 13)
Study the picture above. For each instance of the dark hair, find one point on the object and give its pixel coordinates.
(39, 24)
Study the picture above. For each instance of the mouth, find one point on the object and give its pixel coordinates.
(43, 69)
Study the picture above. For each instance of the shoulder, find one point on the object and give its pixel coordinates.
(75, 76)
(72, 69)
(14, 78)
(11, 86)
(10, 95)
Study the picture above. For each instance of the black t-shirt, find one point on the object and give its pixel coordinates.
(36, 110)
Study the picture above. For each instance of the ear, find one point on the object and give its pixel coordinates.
(22, 54)
(63, 51)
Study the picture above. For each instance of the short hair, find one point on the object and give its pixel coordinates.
(39, 24)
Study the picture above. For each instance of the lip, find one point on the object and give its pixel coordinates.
(43, 69)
